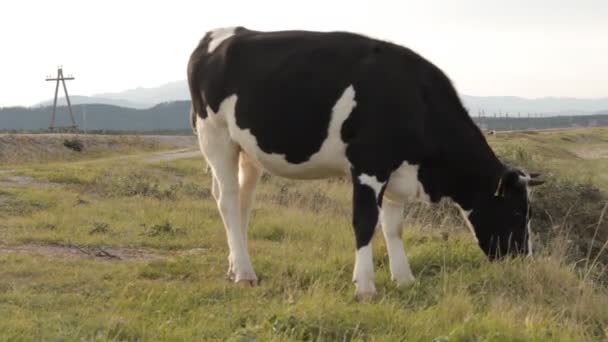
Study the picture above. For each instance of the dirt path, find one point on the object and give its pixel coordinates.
(155, 157)
(173, 155)
(22, 181)
(93, 252)
(591, 152)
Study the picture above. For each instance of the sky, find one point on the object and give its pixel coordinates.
(534, 48)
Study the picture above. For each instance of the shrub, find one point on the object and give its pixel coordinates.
(73, 144)
(163, 229)
(136, 183)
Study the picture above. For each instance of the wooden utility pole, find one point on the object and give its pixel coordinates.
(62, 79)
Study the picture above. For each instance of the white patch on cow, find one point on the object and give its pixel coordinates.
(372, 182)
(218, 36)
(363, 274)
(404, 185)
(391, 218)
(329, 161)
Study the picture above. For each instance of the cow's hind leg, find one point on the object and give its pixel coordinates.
(367, 192)
(215, 191)
(391, 218)
(222, 155)
(249, 176)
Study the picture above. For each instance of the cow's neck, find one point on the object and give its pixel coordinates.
(462, 167)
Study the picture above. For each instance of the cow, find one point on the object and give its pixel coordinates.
(310, 105)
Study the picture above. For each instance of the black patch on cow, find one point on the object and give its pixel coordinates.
(365, 211)
(288, 82)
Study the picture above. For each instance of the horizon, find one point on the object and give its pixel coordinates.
(545, 49)
(100, 95)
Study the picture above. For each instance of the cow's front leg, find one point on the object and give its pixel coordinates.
(391, 218)
(367, 194)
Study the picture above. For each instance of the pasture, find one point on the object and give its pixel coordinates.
(126, 243)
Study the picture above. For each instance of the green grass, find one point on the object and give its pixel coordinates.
(302, 247)
(576, 155)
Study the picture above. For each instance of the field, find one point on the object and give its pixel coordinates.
(125, 243)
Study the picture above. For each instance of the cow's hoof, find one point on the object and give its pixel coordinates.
(405, 280)
(230, 273)
(246, 278)
(247, 282)
(365, 297)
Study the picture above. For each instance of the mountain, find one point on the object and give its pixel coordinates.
(175, 116)
(173, 91)
(546, 105)
(178, 91)
(79, 99)
(138, 98)
(165, 116)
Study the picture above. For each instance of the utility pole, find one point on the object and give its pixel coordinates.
(84, 118)
(62, 79)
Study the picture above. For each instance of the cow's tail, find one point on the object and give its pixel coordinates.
(198, 104)
(197, 107)
(193, 119)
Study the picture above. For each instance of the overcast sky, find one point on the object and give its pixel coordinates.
(487, 47)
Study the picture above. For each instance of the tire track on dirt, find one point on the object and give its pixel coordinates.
(94, 252)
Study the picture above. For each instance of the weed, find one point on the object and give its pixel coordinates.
(270, 233)
(99, 228)
(162, 229)
(73, 144)
(193, 190)
(128, 185)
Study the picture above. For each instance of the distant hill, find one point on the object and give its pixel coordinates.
(173, 91)
(79, 99)
(560, 121)
(139, 98)
(165, 116)
(175, 115)
(178, 91)
(546, 105)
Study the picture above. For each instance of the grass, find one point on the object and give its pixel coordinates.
(302, 246)
(31, 149)
(576, 155)
(571, 206)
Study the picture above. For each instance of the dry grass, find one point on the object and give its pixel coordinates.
(18, 149)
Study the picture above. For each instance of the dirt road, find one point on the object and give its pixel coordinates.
(173, 155)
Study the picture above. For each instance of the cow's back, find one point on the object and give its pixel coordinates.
(294, 100)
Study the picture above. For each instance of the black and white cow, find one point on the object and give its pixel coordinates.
(310, 105)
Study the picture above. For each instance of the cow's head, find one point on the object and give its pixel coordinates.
(501, 219)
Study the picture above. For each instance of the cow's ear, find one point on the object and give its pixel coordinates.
(512, 179)
(535, 179)
(509, 180)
